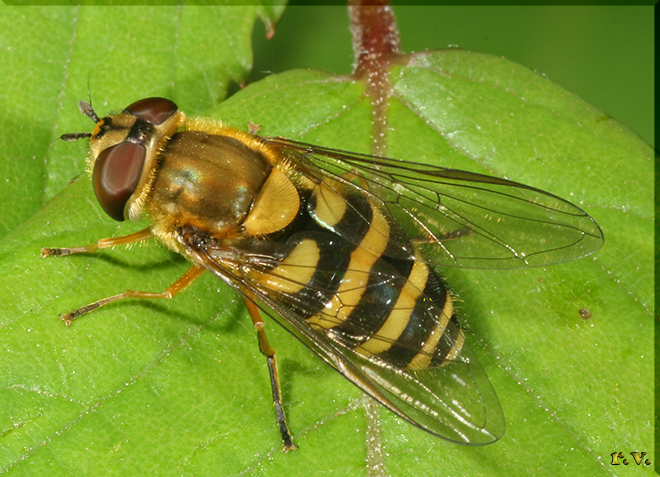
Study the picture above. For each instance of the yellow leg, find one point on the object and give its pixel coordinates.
(102, 243)
(185, 280)
(269, 353)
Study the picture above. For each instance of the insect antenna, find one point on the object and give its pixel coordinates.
(87, 110)
(70, 137)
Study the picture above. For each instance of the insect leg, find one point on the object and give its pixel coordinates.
(353, 174)
(269, 352)
(102, 243)
(185, 280)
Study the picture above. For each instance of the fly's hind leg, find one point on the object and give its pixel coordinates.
(269, 353)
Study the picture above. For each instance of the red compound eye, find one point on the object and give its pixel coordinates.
(116, 174)
(153, 110)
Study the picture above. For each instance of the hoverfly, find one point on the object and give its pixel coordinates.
(340, 248)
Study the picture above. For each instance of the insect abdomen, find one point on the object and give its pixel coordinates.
(397, 311)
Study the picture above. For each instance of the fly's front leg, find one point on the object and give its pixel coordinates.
(102, 243)
(185, 280)
(269, 353)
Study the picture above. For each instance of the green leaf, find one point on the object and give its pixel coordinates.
(179, 387)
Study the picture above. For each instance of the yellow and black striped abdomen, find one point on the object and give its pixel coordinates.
(396, 311)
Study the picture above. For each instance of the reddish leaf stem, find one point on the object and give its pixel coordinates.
(376, 46)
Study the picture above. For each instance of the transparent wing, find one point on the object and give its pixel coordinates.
(454, 401)
(457, 218)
